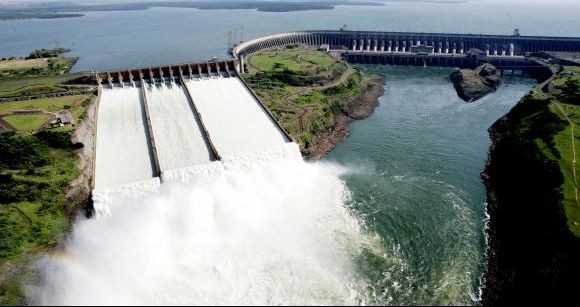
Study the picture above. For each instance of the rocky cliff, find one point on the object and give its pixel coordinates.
(533, 257)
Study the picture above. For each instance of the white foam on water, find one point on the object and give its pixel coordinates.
(105, 199)
(273, 231)
(122, 153)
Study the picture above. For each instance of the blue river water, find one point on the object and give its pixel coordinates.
(415, 181)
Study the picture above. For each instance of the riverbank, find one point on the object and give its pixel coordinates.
(45, 169)
(356, 108)
(314, 95)
(534, 236)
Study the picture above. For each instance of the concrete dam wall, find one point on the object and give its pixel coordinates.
(436, 43)
(418, 49)
(166, 120)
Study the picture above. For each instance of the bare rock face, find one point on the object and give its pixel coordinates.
(472, 85)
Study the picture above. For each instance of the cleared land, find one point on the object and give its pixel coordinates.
(37, 76)
(35, 67)
(295, 60)
(27, 86)
(27, 122)
(77, 105)
(17, 64)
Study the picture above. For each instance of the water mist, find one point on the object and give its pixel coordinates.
(268, 232)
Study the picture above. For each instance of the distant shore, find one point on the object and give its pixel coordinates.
(59, 10)
(20, 16)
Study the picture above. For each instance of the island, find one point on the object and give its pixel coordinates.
(474, 84)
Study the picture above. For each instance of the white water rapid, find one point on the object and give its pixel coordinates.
(265, 228)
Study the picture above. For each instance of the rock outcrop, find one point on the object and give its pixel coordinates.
(472, 84)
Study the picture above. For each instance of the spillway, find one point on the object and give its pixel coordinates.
(178, 134)
(123, 152)
(234, 118)
(178, 122)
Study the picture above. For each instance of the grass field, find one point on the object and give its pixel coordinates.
(33, 77)
(296, 60)
(27, 122)
(565, 146)
(27, 86)
(77, 105)
(48, 104)
(15, 69)
(18, 64)
(557, 140)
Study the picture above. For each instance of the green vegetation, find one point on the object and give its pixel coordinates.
(35, 168)
(304, 89)
(296, 60)
(47, 53)
(43, 71)
(27, 122)
(77, 105)
(27, 86)
(554, 127)
(35, 171)
(16, 69)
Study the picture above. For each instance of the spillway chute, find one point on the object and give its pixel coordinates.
(173, 123)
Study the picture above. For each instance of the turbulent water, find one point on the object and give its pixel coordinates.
(275, 231)
(418, 185)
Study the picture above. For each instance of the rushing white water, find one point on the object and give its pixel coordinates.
(227, 100)
(178, 137)
(271, 231)
(121, 125)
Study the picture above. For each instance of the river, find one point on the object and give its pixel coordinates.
(416, 163)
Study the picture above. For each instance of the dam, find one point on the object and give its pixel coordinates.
(176, 117)
(181, 116)
(507, 52)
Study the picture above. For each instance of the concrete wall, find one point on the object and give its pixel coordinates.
(403, 42)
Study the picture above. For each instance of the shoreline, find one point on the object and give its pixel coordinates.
(355, 109)
(530, 248)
